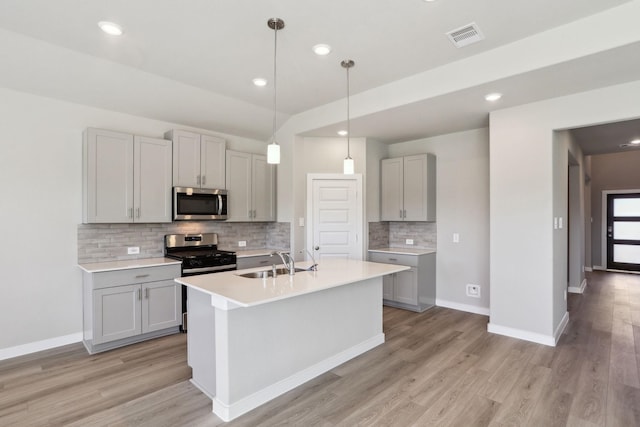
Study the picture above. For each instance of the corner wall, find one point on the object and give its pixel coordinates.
(524, 174)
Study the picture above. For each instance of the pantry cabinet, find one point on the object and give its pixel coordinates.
(408, 188)
(413, 289)
(126, 178)
(198, 160)
(130, 305)
(251, 186)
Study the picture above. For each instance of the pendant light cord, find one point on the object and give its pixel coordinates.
(348, 118)
(275, 87)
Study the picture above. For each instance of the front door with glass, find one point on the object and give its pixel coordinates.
(623, 231)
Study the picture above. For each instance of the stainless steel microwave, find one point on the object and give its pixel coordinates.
(199, 204)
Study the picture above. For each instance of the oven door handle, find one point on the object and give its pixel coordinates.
(219, 204)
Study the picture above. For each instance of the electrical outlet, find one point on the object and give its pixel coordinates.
(133, 250)
(409, 241)
(473, 290)
(242, 243)
(456, 238)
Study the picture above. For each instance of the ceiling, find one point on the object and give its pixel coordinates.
(198, 57)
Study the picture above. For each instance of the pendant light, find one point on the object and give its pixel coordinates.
(273, 149)
(349, 167)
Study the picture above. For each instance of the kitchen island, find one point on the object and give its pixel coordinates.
(251, 340)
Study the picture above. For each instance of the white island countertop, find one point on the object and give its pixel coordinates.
(229, 290)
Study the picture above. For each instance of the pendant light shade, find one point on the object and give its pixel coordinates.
(349, 166)
(273, 149)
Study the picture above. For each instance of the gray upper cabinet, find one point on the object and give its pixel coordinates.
(198, 160)
(125, 178)
(408, 188)
(251, 185)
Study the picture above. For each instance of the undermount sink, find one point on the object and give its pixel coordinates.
(263, 274)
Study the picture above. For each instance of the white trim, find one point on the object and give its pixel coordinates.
(578, 289)
(33, 347)
(603, 241)
(598, 268)
(521, 334)
(589, 269)
(234, 410)
(463, 307)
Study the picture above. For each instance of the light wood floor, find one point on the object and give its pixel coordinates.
(437, 368)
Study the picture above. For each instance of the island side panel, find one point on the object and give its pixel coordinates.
(271, 348)
(201, 341)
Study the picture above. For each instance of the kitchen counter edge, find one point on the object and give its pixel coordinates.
(404, 251)
(97, 267)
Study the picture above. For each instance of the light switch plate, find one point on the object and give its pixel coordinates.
(242, 243)
(409, 241)
(456, 238)
(133, 250)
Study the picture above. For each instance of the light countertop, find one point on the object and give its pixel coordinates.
(255, 252)
(404, 251)
(96, 267)
(229, 290)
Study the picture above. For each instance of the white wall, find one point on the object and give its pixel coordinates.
(522, 204)
(462, 207)
(40, 163)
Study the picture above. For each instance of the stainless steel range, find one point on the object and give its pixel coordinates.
(199, 254)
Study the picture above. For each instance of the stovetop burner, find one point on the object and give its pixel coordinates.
(198, 251)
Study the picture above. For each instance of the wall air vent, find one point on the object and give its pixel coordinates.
(466, 35)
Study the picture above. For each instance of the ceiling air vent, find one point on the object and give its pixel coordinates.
(465, 35)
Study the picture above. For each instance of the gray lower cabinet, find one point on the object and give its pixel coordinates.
(130, 305)
(256, 261)
(413, 289)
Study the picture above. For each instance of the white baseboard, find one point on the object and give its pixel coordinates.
(598, 267)
(521, 334)
(228, 412)
(578, 289)
(33, 347)
(588, 269)
(463, 307)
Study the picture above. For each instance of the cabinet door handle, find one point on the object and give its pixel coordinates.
(250, 213)
(204, 179)
(255, 213)
(139, 294)
(138, 213)
(264, 262)
(400, 213)
(198, 179)
(404, 213)
(130, 213)
(146, 293)
(140, 276)
(393, 259)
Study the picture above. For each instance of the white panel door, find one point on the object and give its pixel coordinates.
(336, 219)
(152, 179)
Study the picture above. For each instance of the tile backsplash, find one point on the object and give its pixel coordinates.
(109, 242)
(394, 234)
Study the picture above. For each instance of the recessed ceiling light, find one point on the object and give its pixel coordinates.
(429, 1)
(110, 28)
(322, 49)
(260, 82)
(635, 142)
(493, 97)
(342, 132)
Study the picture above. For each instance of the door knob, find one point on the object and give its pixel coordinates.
(317, 248)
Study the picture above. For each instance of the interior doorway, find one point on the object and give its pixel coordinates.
(623, 231)
(335, 216)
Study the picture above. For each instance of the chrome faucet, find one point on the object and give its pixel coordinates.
(290, 264)
(314, 266)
